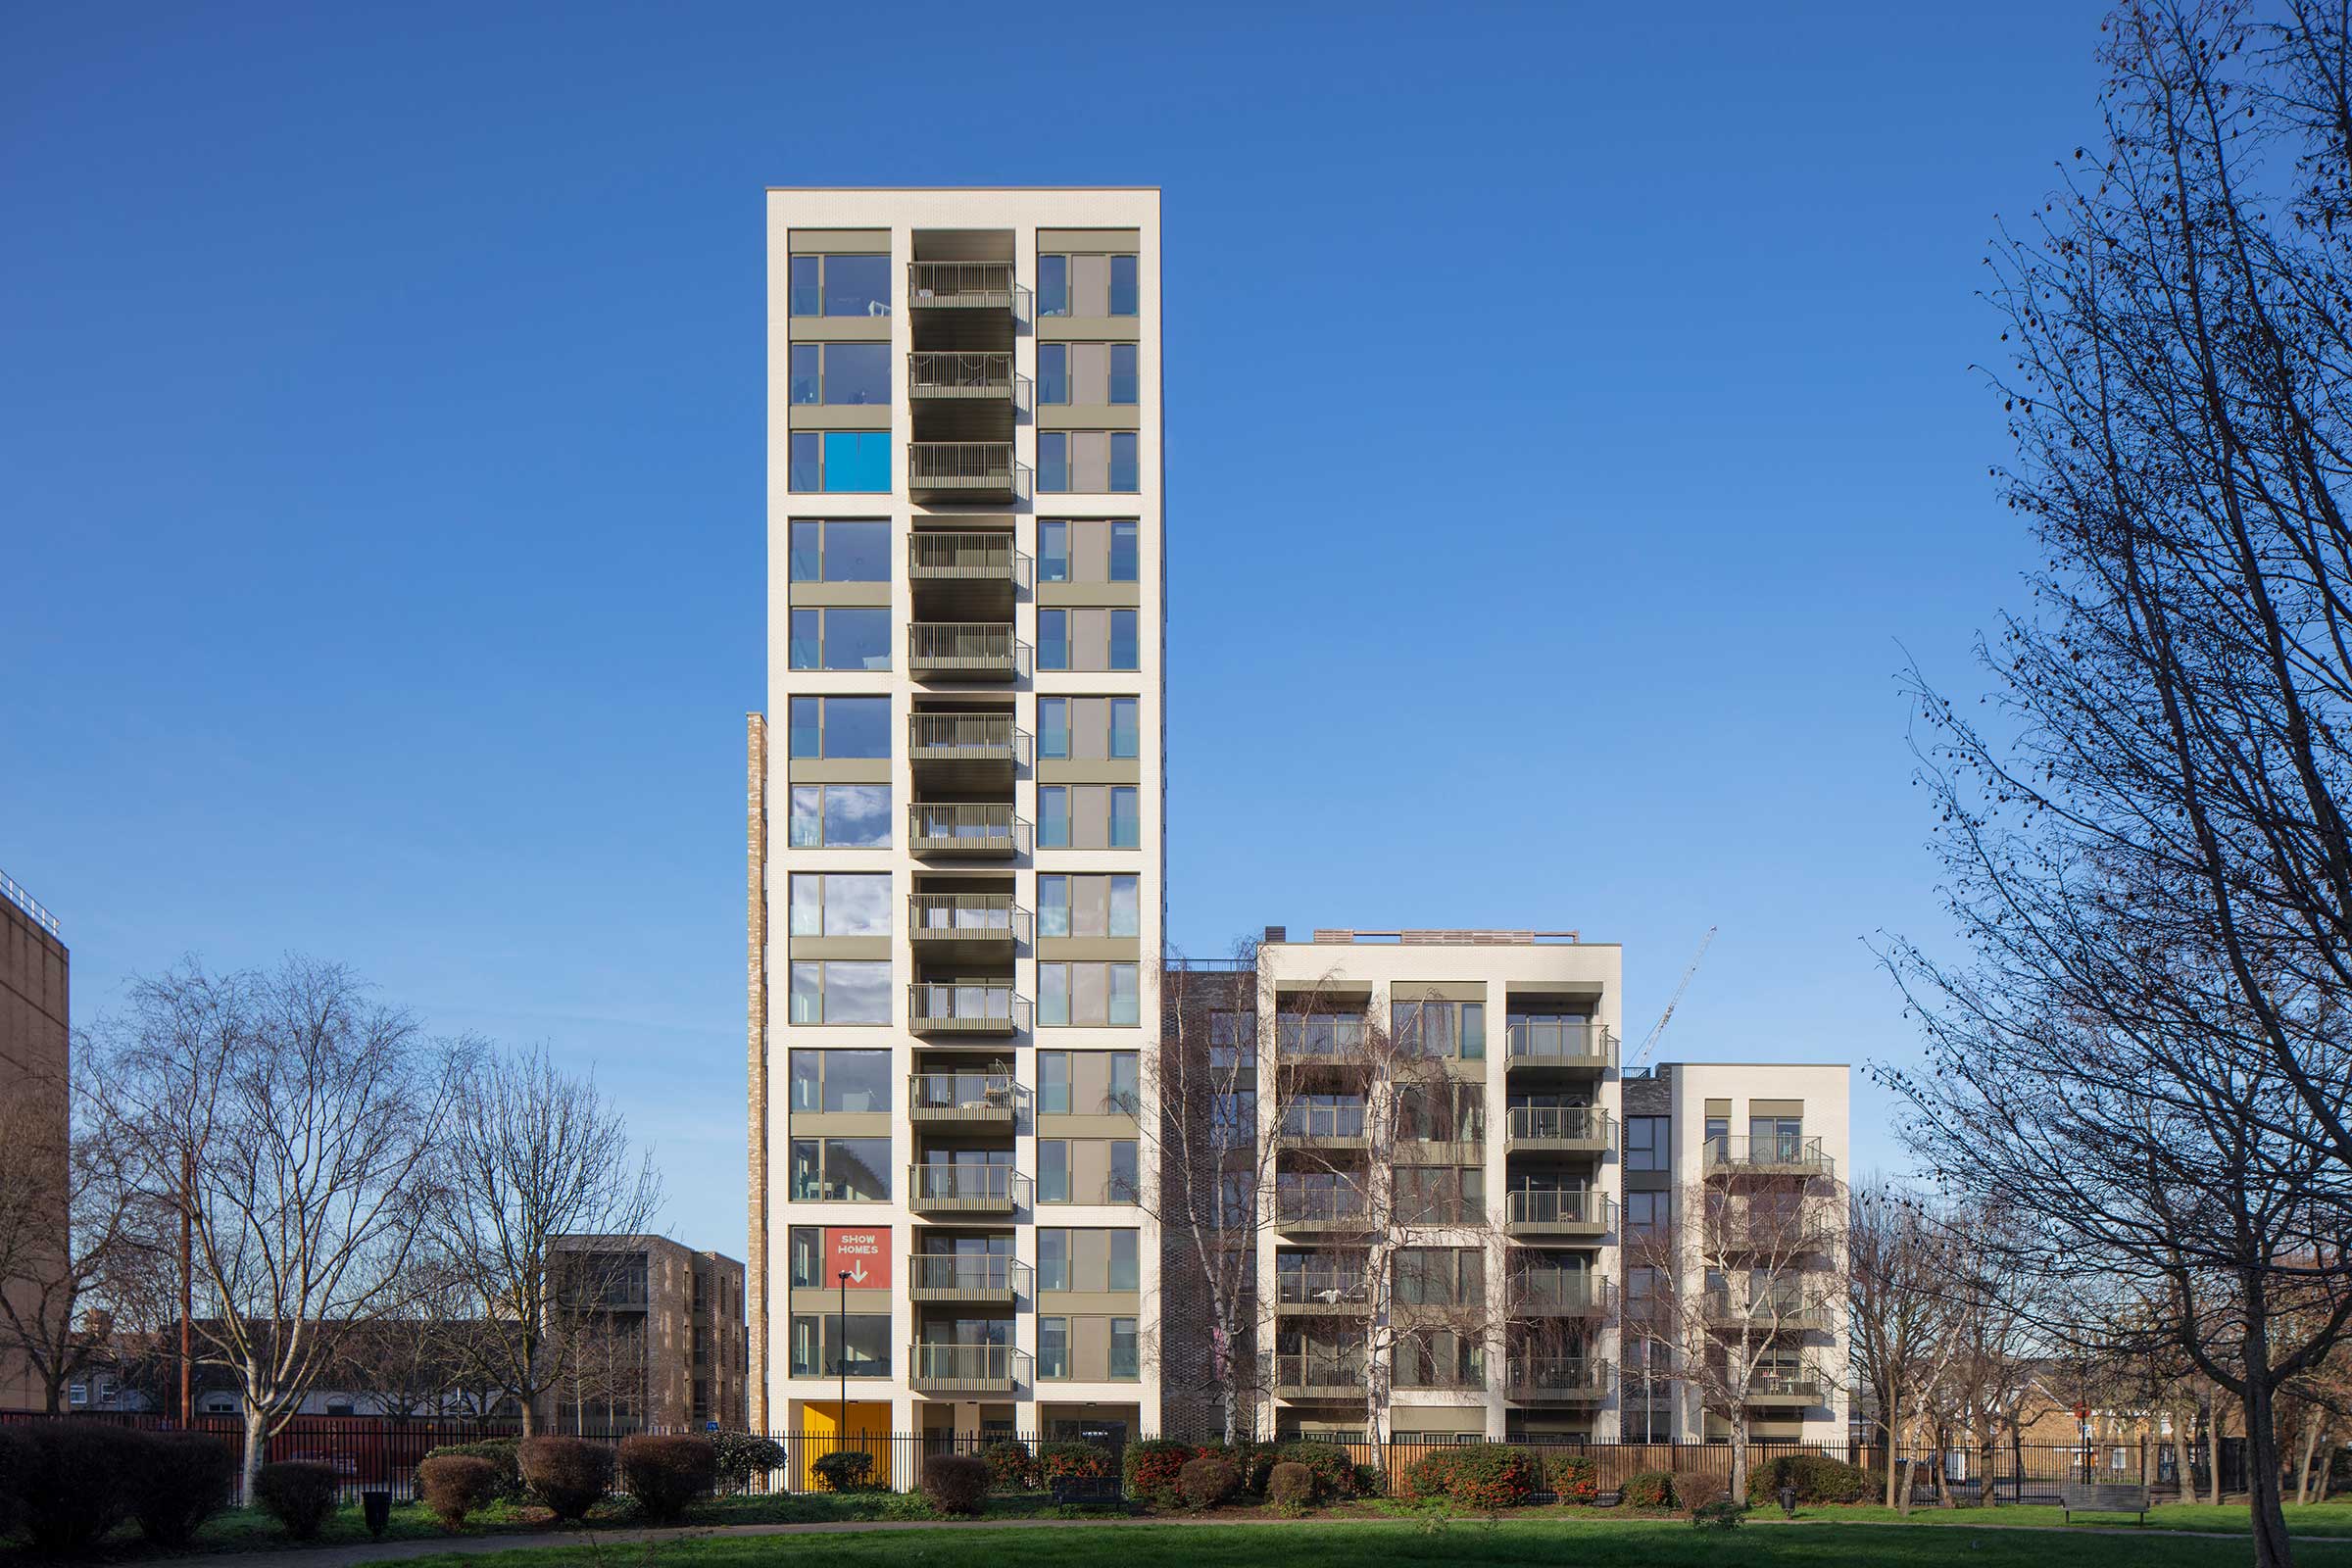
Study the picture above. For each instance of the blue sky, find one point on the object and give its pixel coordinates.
(1570, 425)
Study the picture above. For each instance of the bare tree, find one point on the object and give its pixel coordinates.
(295, 1120)
(1903, 1313)
(1739, 1282)
(75, 1232)
(531, 1154)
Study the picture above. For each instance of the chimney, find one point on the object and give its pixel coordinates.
(1278, 933)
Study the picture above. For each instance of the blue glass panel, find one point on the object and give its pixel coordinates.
(1122, 639)
(857, 552)
(1053, 639)
(1123, 737)
(1122, 285)
(1126, 825)
(807, 638)
(1052, 461)
(808, 286)
(1122, 551)
(806, 726)
(1053, 285)
(856, 726)
(856, 639)
(1052, 815)
(857, 461)
(1053, 373)
(1122, 459)
(1054, 552)
(1122, 373)
(1053, 727)
(808, 552)
(808, 461)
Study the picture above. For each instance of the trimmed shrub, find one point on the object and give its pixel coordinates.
(1650, 1489)
(742, 1455)
(298, 1494)
(500, 1451)
(1334, 1471)
(73, 1483)
(1152, 1467)
(1817, 1477)
(1724, 1513)
(569, 1475)
(1249, 1460)
(1207, 1479)
(1478, 1476)
(1371, 1480)
(1011, 1467)
(1290, 1485)
(453, 1485)
(844, 1469)
(1576, 1477)
(956, 1484)
(663, 1474)
(1072, 1461)
(181, 1480)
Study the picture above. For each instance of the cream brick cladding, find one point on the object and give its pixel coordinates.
(952, 225)
(756, 897)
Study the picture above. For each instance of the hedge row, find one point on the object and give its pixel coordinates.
(67, 1484)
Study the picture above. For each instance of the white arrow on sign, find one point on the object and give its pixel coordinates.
(857, 1272)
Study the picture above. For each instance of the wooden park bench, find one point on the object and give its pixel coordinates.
(2072, 1498)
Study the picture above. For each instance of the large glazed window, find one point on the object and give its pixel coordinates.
(841, 638)
(835, 551)
(841, 373)
(1079, 996)
(1086, 550)
(1087, 905)
(841, 904)
(853, 816)
(816, 1345)
(851, 1082)
(1085, 462)
(841, 462)
(841, 1170)
(1087, 639)
(1085, 374)
(1086, 285)
(841, 285)
(838, 991)
(856, 727)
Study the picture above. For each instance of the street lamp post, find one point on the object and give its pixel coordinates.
(842, 1355)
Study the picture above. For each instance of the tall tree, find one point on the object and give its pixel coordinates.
(529, 1153)
(295, 1120)
(1902, 1311)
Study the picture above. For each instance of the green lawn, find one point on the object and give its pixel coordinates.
(1589, 1544)
(2318, 1519)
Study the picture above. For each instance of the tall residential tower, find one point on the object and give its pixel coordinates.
(956, 851)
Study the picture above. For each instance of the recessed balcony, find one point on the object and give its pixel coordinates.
(1562, 1129)
(1322, 1127)
(964, 650)
(1794, 1390)
(960, 1007)
(983, 1101)
(1317, 1377)
(1322, 1292)
(963, 1278)
(1558, 1211)
(1558, 1380)
(980, 829)
(961, 286)
(1561, 1293)
(973, 924)
(1766, 1319)
(1767, 1156)
(964, 471)
(965, 1368)
(962, 557)
(1321, 1214)
(966, 1188)
(1569, 1046)
(947, 375)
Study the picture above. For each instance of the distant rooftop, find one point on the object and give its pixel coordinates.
(14, 891)
(1439, 939)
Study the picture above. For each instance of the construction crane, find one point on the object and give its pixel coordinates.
(1673, 1002)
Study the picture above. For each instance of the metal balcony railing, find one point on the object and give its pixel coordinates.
(1335, 1288)
(963, 738)
(968, 1276)
(962, 557)
(969, 1187)
(1310, 1373)
(979, 649)
(1307, 1207)
(1562, 1206)
(979, 1098)
(960, 1006)
(1765, 1316)
(964, 827)
(1319, 1033)
(1781, 1154)
(952, 375)
(961, 286)
(1804, 1385)
(962, 918)
(976, 1368)
(983, 466)
(1562, 1124)
(1569, 1043)
(1316, 1123)
(1559, 1377)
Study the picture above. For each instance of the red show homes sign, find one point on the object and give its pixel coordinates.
(864, 1256)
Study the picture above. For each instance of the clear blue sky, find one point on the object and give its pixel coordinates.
(1570, 421)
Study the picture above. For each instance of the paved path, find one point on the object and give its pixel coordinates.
(384, 1552)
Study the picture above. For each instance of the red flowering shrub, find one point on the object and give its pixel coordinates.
(1072, 1461)
(1576, 1477)
(1479, 1476)
(1152, 1468)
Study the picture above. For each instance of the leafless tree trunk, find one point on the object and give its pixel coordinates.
(1902, 1311)
(310, 1115)
(531, 1154)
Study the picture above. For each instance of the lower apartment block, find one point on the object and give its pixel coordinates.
(1462, 1218)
